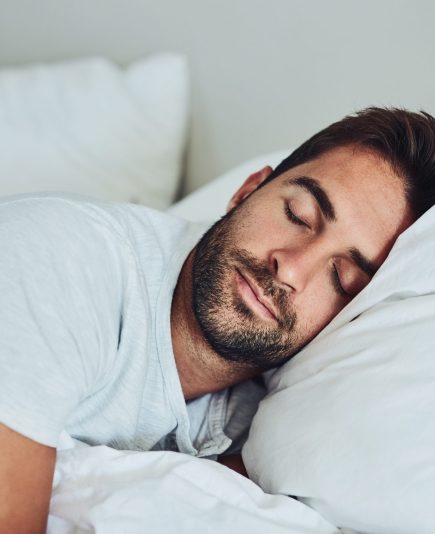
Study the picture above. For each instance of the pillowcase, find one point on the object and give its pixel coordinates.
(209, 202)
(89, 127)
(348, 425)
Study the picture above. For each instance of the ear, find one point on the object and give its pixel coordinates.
(249, 186)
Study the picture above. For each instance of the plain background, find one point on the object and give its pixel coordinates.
(265, 74)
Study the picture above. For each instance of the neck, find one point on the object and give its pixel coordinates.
(200, 368)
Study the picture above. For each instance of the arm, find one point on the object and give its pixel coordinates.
(26, 476)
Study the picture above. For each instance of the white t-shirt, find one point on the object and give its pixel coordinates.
(85, 344)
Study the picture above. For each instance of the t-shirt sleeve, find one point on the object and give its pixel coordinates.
(60, 279)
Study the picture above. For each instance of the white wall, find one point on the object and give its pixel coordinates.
(266, 74)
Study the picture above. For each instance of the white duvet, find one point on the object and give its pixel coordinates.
(102, 490)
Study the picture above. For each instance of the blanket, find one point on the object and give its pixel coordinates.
(103, 490)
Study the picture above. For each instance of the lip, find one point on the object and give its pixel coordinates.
(252, 295)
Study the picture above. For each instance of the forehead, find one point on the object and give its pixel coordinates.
(352, 168)
(368, 197)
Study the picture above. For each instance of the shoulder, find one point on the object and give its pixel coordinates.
(58, 249)
(121, 218)
(47, 209)
(57, 231)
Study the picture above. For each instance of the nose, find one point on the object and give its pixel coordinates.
(296, 267)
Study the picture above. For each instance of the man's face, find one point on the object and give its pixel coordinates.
(289, 256)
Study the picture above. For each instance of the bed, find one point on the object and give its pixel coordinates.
(347, 426)
(355, 437)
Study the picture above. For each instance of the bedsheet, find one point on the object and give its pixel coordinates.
(103, 490)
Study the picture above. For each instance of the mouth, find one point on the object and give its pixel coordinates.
(253, 297)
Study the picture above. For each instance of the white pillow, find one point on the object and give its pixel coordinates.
(89, 127)
(209, 202)
(349, 423)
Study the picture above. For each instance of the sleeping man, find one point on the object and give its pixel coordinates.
(123, 326)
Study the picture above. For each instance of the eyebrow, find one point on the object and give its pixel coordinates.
(363, 263)
(316, 190)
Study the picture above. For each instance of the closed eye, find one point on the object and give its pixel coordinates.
(337, 284)
(293, 218)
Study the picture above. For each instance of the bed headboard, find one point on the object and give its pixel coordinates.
(265, 75)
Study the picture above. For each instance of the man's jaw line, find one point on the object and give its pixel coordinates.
(200, 369)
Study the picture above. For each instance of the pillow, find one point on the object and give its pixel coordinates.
(348, 425)
(209, 202)
(89, 127)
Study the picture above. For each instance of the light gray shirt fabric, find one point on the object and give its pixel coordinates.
(85, 343)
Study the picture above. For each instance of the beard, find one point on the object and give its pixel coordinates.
(228, 325)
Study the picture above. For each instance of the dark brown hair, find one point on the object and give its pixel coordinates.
(404, 139)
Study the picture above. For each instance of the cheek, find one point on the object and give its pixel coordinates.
(315, 309)
(261, 231)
